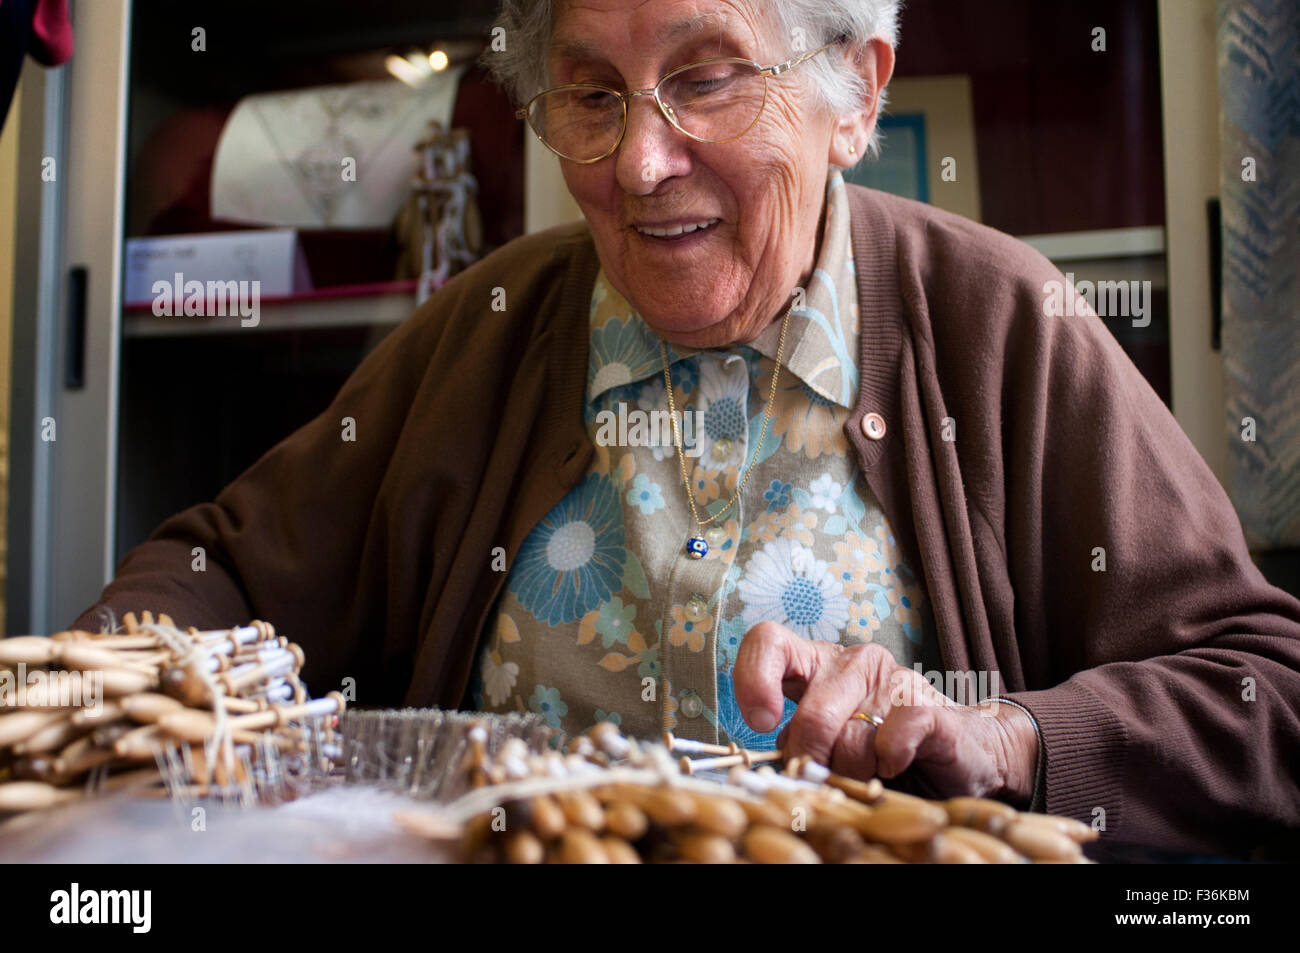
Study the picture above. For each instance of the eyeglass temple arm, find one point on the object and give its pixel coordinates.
(788, 65)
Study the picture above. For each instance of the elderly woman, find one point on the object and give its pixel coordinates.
(890, 459)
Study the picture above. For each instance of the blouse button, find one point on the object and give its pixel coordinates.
(690, 705)
(873, 425)
(696, 609)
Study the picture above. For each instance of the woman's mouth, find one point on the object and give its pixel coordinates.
(676, 231)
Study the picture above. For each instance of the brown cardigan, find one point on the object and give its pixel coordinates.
(1167, 687)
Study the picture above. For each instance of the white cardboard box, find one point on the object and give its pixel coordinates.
(269, 256)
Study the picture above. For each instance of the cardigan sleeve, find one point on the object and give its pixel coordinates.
(1162, 669)
(285, 541)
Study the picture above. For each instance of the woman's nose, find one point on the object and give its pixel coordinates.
(652, 148)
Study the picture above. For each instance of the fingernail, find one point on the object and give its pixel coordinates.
(760, 719)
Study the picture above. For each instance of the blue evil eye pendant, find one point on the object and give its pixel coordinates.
(696, 547)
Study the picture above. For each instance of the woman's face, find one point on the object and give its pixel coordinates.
(760, 195)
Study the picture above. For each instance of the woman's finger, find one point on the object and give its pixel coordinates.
(904, 733)
(772, 662)
(855, 750)
(838, 690)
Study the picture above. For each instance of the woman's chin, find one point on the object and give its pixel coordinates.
(687, 323)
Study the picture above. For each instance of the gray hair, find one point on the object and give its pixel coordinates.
(522, 69)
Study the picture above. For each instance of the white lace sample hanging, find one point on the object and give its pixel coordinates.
(281, 157)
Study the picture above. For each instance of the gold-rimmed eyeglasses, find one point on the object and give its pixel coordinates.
(714, 100)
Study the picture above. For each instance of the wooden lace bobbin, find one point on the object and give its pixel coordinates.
(479, 842)
(187, 683)
(120, 682)
(775, 845)
(1076, 859)
(38, 697)
(794, 805)
(939, 849)
(211, 768)
(891, 798)
(230, 642)
(980, 813)
(1040, 841)
(666, 806)
(278, 692)
(273, 664)
(868, 792)
(702, 847)
(132, 625)
(106, 714)
(104, 736)
(524, 847)
(626, 821)
(141, 743)
(28, 650)
(739, 758)
(131, 643)
(582, 809)
(993, 850)
(77, 655)
(144, 743)
(1077, 831)
(836, 844)
(23, 724)
(764, 813)
(548, 820)
(17, 796)
(189, 680)
(902, 824)
(721, 816)
(583, 746)
(687, 746)
(197, 726)
(578, 845)
(824, 813)
(474, 763)
(79, 757)
(147, 707)
(55, 735)
(619, 851)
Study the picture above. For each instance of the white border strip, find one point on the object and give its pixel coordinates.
(1104, 243)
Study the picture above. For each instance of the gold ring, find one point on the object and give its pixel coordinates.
(867, 716)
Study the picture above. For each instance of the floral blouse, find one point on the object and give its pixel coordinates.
(605, 616)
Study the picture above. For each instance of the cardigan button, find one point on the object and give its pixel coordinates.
(690, 704)
(873, 425)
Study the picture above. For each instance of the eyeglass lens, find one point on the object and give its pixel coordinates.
(710, 101)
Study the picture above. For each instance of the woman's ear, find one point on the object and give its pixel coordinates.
(874, 62)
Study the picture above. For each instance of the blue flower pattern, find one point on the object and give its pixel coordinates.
(591, 586)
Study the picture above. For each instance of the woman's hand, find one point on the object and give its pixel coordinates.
(988, 750)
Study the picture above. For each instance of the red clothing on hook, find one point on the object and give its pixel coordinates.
(51, 40)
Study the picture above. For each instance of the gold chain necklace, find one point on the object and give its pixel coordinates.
(696, 546)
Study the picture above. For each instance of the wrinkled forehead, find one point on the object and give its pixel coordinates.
(609, 31)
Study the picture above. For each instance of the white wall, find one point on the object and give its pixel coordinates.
(547, 200)
(1190, 88)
